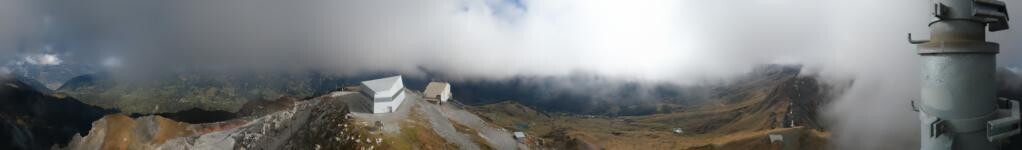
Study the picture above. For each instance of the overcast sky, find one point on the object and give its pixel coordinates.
(656, 40)
(680, 41)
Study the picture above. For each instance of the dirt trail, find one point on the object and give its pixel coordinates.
(498, 137)
(443, 127)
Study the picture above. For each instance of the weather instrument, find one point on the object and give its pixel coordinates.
(958, 106)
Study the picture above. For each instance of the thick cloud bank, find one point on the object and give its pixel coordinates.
(675, 41)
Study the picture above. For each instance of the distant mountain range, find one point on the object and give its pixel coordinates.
(581, 93)
(599, 95)
(208, 91)
(50, 76)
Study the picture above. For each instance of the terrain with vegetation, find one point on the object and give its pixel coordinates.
(316, 113)
(737, 116)
(207, 91)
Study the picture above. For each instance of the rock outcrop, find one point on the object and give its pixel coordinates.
(318, 123)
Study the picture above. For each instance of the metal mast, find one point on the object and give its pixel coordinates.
(959, 108)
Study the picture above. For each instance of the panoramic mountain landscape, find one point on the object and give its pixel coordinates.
(771, 100)
(509, 75)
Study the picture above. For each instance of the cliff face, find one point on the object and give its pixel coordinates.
(30, 119)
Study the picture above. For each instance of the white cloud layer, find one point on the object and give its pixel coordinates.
(43, 59)
(673, 41)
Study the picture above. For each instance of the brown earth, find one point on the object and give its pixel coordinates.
(123, 132)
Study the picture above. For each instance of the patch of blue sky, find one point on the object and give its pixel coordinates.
(507, 10)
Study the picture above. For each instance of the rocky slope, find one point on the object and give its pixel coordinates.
(332, 121)
(313, 124)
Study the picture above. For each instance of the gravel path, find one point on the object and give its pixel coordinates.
(498, 137)
(443, 127)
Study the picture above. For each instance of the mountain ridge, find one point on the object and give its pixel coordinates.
(36, 120)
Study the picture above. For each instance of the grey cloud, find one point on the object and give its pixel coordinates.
(674, 41)
(4, 71)
(15, 23)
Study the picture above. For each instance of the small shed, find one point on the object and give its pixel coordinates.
(774, 138)
(519, 135)
(438, 92)
(678, 131)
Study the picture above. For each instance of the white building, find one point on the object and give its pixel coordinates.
(386, 94)
(776, 138)
(519, 135)
(437, 91)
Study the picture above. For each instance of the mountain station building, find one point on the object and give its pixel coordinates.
(385, 94)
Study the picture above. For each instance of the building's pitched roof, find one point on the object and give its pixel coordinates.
(435, 88)
(519, 134)
(384, 84)
(776, 138)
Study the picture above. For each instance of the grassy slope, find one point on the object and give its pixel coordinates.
(471, 133)
(745, 113)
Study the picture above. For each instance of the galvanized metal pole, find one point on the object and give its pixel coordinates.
(958, 95)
